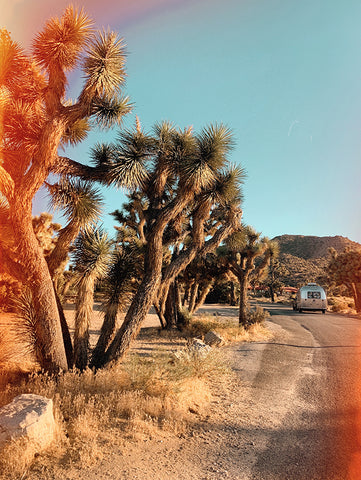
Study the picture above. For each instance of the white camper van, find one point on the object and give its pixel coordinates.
(311, 297)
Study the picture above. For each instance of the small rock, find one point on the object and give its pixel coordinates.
(213, 338)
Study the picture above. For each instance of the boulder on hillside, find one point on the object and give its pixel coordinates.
(29, 417)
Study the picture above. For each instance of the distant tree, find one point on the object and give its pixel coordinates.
(45, 231)
(345, 269)
(275, 273)
(240, 252)
(200, 276)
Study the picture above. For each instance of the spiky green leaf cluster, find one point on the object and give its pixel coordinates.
(92, 252)
(109, 112)
(62, 39)
(104, 65)
(129, 169)
(76, 132)
(78, 200)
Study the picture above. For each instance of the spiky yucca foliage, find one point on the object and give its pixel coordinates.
(91, 256)
(81, 204)
(26, 328)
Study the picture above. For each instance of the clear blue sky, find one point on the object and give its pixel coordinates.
(285, 75)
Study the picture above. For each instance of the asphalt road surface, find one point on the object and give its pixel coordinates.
(304, 398)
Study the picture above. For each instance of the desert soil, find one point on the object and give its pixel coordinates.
(217, 443)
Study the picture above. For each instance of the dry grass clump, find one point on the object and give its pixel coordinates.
(13, 366)
(341, 304)
(229, 329)
(95, 410)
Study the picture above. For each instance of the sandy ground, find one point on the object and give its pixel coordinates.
(216, 446)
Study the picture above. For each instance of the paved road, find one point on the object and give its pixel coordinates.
(304, 401)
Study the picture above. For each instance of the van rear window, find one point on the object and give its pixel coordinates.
(313, 295)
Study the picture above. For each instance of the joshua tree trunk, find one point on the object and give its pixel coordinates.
(272, 293)
(243, 303)
(193, 296)
(66, 334)
(203, 295)
(51, 353)
(84, 310)
(233, 300)
(171, 310)
(186, 294)
(143, 299)
(106, 334)
(139, 308)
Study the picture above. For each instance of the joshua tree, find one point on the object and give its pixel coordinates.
(242, 248)
(35, 119)
(176, 173)
(91, 255)
(120, 283)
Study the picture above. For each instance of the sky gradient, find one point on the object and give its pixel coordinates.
(284, 75)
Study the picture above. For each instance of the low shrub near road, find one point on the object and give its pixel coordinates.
(341, 304)
(228, 328)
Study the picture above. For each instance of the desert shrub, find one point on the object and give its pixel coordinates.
(229, 329)
(201, 325)
(184, 316)
(257, 315)
(340, 304)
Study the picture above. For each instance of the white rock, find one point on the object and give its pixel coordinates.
(29, 417)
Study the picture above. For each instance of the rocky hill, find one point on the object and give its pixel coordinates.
(306, 257)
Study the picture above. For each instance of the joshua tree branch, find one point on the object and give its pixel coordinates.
(66, 166)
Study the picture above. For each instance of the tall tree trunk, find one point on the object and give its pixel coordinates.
(142, 300)
(193, 296)
(171, 311)
(138, 310)
(84, 311)
(159, 311)
(243, 300)
(203, 295)
(356, 290)
(66, 334)
(186, 294)
(233, 300)
(272, 293)
(106, 335)
(51, 353)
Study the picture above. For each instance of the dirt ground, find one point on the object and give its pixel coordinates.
(215, 445)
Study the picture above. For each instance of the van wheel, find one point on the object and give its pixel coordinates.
(323, 311)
